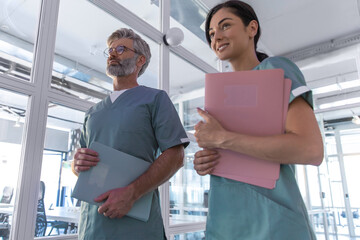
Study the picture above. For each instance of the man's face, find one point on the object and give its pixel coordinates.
(121, 64)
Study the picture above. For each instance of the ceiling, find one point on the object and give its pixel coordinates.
(321, 36)
(289, 26)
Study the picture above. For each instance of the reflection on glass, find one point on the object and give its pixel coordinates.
(12, 117)
(186, 85)
(191, 116)
(149, 10)
(185, 78)
(18, 22)
(188, 192)
(57, 180)
(189, 236)
(189, 16)
(79, 65)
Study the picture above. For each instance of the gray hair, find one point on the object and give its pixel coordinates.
(140, 46)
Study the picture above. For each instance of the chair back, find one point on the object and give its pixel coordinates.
(7, 194)
(41, 222)
(4, 217)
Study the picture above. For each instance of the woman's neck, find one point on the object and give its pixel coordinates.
(244, 62)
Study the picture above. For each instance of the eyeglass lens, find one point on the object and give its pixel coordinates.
(119, 49)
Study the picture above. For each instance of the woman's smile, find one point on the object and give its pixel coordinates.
(221, 47)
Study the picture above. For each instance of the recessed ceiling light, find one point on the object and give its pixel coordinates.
(356, 119)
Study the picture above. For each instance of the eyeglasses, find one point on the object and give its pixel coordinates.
(119, 50)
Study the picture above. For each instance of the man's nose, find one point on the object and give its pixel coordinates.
(113, 52)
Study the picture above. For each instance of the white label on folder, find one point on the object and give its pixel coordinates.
(240, 95)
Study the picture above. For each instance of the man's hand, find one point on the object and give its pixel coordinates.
(84, 159)
(118, 202)
(205, 161)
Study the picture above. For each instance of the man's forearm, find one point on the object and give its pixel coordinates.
(163, 168)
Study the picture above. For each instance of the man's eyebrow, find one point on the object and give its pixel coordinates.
(222, 20)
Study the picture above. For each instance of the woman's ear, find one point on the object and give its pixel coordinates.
(252, 28)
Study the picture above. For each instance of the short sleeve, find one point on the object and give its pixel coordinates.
(291, 71)
(166, 123)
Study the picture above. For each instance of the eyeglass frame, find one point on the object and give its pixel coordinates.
(107, 52)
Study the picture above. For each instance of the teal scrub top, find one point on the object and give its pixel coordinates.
(142, 122)
(242, 211)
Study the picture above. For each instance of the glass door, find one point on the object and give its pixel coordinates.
(350, 142)
(340, 184)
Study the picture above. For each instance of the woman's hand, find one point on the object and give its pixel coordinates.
(205, 161)
(208, 134)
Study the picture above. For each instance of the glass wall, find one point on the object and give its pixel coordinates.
(189, 16)
(56, 205)
(186, 81)
(79, 67)
(78, 81)
(149, 10)
(12, 118)
(336, 186)
(189, 236)
(188, 192)
(350, 142)
(18, 24)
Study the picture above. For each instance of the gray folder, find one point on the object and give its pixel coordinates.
(114, 170)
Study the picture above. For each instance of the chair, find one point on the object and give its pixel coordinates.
(4, 229)
(4, 218)
(59, 225)
(41, 220)
(41, 223)
(7, 194)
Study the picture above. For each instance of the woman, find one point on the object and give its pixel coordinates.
(238, 210)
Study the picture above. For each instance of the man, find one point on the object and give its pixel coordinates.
(139, 121)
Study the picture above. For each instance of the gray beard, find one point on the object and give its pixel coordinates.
(125, 68)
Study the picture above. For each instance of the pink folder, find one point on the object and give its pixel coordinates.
(249, 102)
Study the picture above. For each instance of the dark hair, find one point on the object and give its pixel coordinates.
(245, 12)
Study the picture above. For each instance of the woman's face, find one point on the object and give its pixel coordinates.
(230, 38)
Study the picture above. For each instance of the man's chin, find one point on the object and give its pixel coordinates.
(116, 75)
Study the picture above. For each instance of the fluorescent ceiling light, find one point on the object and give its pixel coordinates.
(337, 87)
(340, 103)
